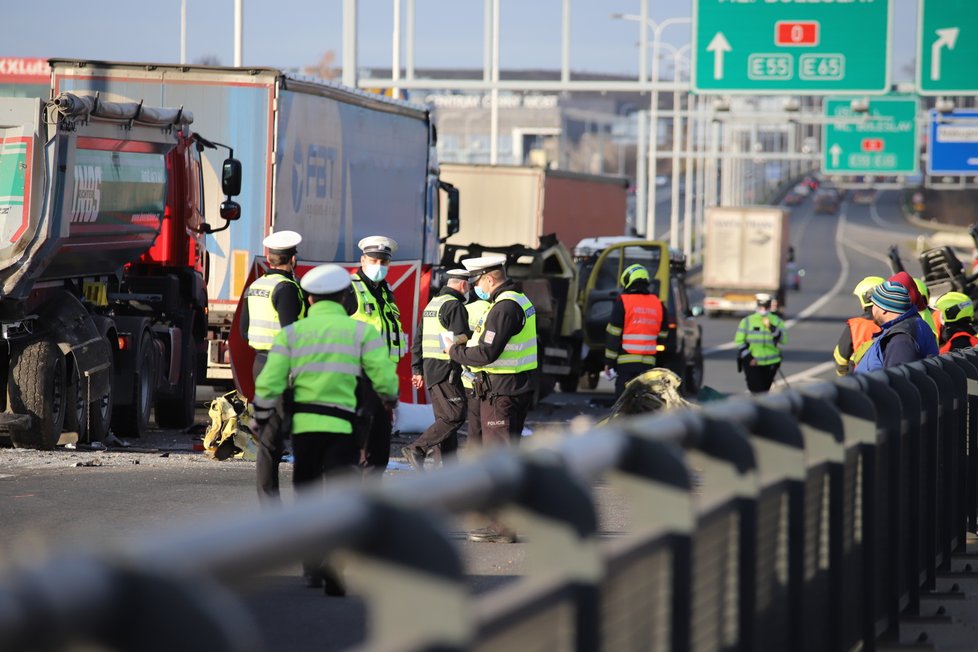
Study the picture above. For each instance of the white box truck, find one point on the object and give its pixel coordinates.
(745, 252)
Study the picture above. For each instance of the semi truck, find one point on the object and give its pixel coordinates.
(333, 163)
(745, 252)
(513, 205)
(103, 300)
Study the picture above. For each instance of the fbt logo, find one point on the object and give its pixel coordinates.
(313, 167)
(88, 193)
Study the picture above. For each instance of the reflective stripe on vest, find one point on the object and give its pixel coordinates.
(640, 332)
(386, 320)
(263, 319)
(946, 347)
(862, 331)
(477, 311)
(432, 348)
(520, 352)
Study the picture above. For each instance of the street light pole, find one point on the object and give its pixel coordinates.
(657, 29)
(183, 31)
(677, 130)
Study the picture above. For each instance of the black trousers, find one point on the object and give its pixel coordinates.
(448, 404)
(319, 455)
(629, 371)
(377, 438)
(473, 408)
(503, 418)
(760, 378)
(271, 446)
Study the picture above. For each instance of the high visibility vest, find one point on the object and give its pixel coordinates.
(263, 319)
(386, 318)
(862, 331)
(972, 341)
(432, 347)
(641, 328)
(320, 358)
(928, 318)
(520, 352)
(477, 311)
(752, 332)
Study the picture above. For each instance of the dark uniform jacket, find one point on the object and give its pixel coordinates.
(504, 320)
(286, 298)
(453, 317)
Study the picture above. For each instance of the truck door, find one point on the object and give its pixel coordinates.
(604, 284)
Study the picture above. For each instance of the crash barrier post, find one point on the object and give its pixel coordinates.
(810, 519)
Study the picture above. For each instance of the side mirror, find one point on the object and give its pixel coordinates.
(230, 210)
(452, 221)
(696, 311)
(231, 177)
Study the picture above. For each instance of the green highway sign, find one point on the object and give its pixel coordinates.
(947, 47)
(791, 46)
(881, 141)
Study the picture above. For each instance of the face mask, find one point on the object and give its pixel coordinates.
(375, 273)
(482, 294)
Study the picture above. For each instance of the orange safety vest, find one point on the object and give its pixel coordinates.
(643, 321)
(946, 347)
(862, 331)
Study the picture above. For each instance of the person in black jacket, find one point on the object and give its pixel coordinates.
(432, 368)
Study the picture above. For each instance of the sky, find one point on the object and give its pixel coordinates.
(297, 33)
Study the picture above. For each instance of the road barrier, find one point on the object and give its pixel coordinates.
(809, 519)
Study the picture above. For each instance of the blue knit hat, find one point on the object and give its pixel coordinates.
(892, 297)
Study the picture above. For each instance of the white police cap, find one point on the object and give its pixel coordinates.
(325, 279)
(479, 266)
(763, 297)
(462, 274)
(378, 246)
(283, 241)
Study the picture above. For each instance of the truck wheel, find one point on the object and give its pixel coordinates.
(40, 389)
(592, 379)
(76, 415)
(693, 381)
(178, 410)
(89, 419)
(132, 420)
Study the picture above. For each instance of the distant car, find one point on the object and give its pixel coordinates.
(661, 180)
(796, 195)
(863, 196)
(827, 201)
(811, 183)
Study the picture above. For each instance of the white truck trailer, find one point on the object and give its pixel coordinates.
(333, 163)
(745, 253)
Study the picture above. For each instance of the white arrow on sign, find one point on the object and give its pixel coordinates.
(718, 46)
(836, 152)
(947, 37)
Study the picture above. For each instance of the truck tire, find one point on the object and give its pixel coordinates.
(40, 389)
(91, 420)
(132, 420)
(76, 414)
(178, 410)
(693, 380)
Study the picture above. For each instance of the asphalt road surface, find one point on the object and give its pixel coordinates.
(101, 499)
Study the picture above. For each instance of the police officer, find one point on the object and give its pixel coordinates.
(957, 313)
(759, 338)
(857, 336)
(504, 360)
(445, 313)
(635, 328)
(375, 306)
(272, 302)
(320, 359)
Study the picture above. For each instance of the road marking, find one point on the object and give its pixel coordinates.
(825, 298)
(817, 370)
(868, 252)
(875, 215)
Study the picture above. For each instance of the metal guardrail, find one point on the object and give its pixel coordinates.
(804, 520)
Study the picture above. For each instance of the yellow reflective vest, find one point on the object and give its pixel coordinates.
(477, 311)
(432, 347)
(263, 319)
(520, 352)
(320, 358)
(386, 318)
(759, 339)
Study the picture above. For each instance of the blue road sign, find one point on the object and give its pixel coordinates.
(953, 142)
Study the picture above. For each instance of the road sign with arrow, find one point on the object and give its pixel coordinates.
(881, 141)
(789, 46)
(947, 47)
